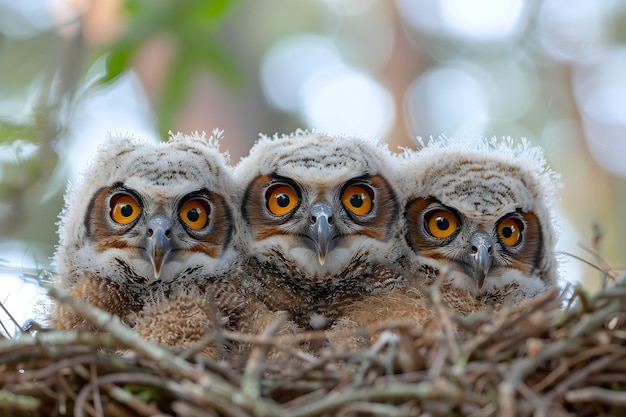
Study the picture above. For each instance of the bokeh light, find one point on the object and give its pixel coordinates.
(25, 19)
(123, 108)
(482, 20)
(305, 75)
(289, 64)
(573, 30)
(346, 101)
(466, 22)
(446, 101)
(600, 91)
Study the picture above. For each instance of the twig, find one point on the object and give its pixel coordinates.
(539, 403)
(183, 409)
(14, 402)
(420, 391)
(56, 367)
(369, 408)
(251, 383)
(82, 371)
(10, 318)
(590, 322)
(163, 357)
(519, 371)
(601, 395)
(443, 315)
(131, 378)
(97, 400)
(568, 365)
(581, 374)
(131, 401)
(218, 330)
(120, 333)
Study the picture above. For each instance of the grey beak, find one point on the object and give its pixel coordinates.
(158, 242)
(480, 256)
(321, 229)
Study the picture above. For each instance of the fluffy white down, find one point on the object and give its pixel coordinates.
(320, 162)
(182, 164)
(532, 189)
(445, 152)
(298, 154)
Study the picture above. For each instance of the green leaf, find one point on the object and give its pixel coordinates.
(11, 131)
(175, 92)
(116, 63)
(212, 9)
(136, 7)
(191, 24)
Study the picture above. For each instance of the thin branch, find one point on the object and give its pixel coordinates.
(251, 383)
(595, 394)
(8, 313)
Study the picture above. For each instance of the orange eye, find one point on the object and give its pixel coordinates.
(358, 199)
(195, 213)
(281, 199)
(510, 231)
(124, 208)
(441, 223)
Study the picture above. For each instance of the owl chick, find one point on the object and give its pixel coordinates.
(320, 224)
(478, 215)
(145, 222)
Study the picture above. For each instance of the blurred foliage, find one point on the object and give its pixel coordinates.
(190, 25)
(39, 77)
(25, 168)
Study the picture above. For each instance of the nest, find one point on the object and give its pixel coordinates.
(553, 356)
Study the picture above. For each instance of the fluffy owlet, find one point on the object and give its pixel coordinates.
(147, 226)
(478, 215)
(320, 224)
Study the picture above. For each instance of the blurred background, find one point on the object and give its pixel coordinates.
(72, 71)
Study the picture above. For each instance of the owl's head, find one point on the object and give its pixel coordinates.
(144, 212)
(317, 201)
(481, 212)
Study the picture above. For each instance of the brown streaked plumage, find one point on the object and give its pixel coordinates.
(363, 320)
(320, 224)
(148, 235)
(180, 316)
(478, 221)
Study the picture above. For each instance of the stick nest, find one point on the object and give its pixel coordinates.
(550, 357)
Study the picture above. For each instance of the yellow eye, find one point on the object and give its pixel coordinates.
(281, 199)
(195, 213)
(510, 231)
(358, 199)
(124, 208)
(441, 223)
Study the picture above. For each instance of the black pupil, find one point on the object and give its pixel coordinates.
(282, 200)
(443, 223)
(193, 215)
(127, 210)
(357, 200)
(507, 232)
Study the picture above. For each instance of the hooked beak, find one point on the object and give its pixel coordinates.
(159, 242)
(480, 256)
(321, 230)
